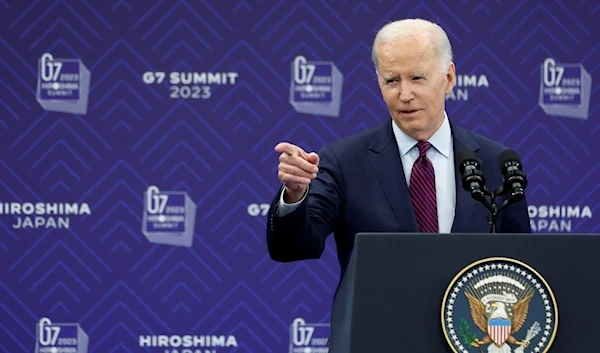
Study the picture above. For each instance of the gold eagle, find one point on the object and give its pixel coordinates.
(517, 319)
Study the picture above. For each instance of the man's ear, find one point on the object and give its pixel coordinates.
(451, 78)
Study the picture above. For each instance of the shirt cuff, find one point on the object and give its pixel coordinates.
(287, 208)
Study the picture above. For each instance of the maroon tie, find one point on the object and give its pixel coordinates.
(422, 191)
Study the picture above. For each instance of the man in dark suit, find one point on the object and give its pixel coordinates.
(397, 177)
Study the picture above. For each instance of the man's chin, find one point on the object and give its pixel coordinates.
(410, 121)
(415, 128)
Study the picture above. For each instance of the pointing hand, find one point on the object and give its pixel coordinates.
(296, 170)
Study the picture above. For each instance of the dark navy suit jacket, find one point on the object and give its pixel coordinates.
(361, 187)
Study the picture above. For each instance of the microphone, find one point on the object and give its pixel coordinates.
(473, 180)
(513, 184)
(515, 181)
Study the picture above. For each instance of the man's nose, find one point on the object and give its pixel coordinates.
(406, 92)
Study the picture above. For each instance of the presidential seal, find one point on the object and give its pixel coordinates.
(499, 305)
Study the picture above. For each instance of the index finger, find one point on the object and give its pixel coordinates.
(290, 149)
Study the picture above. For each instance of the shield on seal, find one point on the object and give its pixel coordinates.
(499, 330)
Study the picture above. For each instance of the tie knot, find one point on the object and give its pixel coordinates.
(423, 148)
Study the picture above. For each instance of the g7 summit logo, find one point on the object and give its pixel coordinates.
(307, 337)
(63, 85)
(169, 217)
(62, 337)
(565, 89)
(316, 87)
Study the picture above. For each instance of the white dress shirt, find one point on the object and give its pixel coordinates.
(442, 157)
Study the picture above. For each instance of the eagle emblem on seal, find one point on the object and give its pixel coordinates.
(499, 306)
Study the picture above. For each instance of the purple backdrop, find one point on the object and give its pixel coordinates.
(137, 155)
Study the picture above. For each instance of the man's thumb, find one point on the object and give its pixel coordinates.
(313, 158)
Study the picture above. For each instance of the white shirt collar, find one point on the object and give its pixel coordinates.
(441, 140)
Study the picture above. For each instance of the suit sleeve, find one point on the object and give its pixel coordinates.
(302, 233)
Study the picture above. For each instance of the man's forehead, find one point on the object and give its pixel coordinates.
(406, 61)
(399, 69)
(415, 44)
(405, 49)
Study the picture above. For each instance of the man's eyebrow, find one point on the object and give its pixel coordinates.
(390, 75)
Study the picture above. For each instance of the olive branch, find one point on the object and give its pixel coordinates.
(468, 337)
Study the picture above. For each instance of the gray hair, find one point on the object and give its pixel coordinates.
(413, 28)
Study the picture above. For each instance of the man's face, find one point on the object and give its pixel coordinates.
(412, 85)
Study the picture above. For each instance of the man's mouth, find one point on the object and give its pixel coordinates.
(408, 111)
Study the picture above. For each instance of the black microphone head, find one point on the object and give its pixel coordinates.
(515, 180)
(509, 156)
(465, 156)
(472, 176)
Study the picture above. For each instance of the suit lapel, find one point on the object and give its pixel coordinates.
(386, 162)
(464, 201)
(385, 159)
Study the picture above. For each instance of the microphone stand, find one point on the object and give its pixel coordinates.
(493, 207)
(513, 184)
(474, 182)
(480, 196)
(493, 217)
